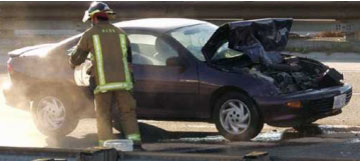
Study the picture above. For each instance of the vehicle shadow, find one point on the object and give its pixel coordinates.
(308, 131)
(153, 134)
(149, 133)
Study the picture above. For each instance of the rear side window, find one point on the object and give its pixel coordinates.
(144, 44)
(150, 50)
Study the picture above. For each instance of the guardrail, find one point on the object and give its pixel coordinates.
(98, 154)
(196, 10)
(45, 22)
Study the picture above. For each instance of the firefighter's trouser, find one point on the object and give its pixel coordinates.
(126, 104)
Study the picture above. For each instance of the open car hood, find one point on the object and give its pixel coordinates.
(271, 34)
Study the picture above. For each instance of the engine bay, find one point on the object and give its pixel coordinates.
(295, 74)
(310, 75)
(256, 46)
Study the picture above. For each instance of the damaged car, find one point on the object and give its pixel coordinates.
(235, 76)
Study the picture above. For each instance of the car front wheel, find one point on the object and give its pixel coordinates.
(236, 117)
(53, 115)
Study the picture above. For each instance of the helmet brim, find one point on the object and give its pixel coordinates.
(110, 12)
(86, 16)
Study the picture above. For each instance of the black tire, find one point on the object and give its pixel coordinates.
(252, 118)
(44, 119)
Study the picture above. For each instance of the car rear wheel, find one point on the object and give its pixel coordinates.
(53, 115)
(236, 117)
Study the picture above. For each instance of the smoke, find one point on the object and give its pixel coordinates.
(29, 23)
(17, 128)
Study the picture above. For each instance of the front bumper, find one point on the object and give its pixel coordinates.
(317, 104)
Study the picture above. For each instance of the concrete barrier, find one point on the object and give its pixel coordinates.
(30, 23)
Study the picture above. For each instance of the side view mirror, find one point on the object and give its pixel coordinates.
(174, 61)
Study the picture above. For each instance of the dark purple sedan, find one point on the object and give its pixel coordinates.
(234, 76)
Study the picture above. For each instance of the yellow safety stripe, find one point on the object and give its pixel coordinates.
(99, 59)
(113, 86)
(125, 62)
(101, 142)
(93, 12)
(103, 86)
(134, 137)
(97, 11)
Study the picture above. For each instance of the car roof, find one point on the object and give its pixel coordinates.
(160, 25)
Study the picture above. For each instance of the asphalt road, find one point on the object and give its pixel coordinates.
(336, 137)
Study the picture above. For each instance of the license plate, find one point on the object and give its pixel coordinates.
(339, 101)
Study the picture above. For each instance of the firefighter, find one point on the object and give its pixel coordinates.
(110, 51)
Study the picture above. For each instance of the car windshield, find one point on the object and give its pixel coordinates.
(194, 37)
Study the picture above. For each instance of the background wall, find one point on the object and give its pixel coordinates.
(30, 23)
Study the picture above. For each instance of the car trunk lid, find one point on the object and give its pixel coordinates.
(18, 52)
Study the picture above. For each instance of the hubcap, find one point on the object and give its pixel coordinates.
(235, 116)
(50, 112)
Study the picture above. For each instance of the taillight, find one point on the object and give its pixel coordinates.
(9, 67)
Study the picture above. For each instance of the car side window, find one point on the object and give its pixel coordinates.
(150, 50)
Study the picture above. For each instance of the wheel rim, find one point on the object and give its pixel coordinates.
(235, 116)
(50, 113)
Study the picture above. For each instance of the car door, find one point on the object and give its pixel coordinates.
(165, 85)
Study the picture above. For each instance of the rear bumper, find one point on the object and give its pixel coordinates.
(20, 90)
(317, 104)
(15, 96)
